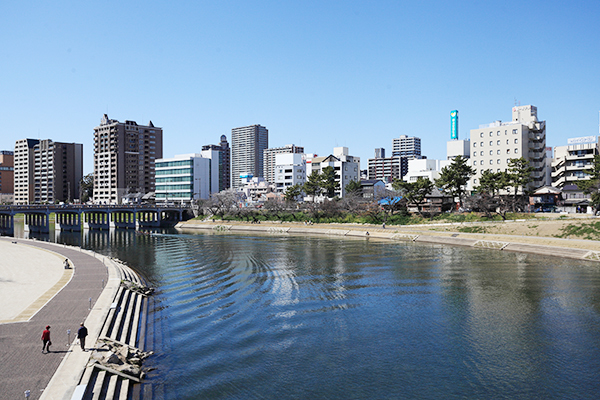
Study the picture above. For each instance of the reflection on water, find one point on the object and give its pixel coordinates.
(244, 317)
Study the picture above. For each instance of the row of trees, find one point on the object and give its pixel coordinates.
(497, 192)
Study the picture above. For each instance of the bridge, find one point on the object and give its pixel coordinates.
(74, 217)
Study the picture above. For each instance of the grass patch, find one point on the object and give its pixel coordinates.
(472, 229)
(589, 231)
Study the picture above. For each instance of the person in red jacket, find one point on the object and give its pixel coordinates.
(46, 339)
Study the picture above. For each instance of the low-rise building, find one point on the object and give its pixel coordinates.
(347, 167)
(571, 161)
(290, 170)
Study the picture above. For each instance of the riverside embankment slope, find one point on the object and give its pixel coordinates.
(535, 236)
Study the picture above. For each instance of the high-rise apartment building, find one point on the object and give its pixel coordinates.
(247, 146)
(7, 172)
(224, 162)
(124, 159)
(47, 171)
(404, 146)
(493, 145)
(269, 161)
(23, 183)
(58, 169)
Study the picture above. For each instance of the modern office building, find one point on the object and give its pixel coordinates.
(290, 170)
(269, 161)
(7, 176)
(347, 167)
(124, 159)
(571, 161)
(46, 171)
(224, 162)
(187, 177)
(493, 145)
(247, 146)
(405, 146)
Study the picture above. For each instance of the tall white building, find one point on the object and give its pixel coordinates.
(247, 146)
(24, 176)
(187, 176)
(493, 145)
(269, 161)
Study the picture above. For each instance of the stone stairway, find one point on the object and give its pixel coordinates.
(122, 325)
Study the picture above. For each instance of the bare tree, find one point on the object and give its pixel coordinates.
(223, 202)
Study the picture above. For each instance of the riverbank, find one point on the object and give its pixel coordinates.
(44, 293)
(538, 236)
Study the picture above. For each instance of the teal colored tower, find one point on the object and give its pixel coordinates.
(454, 125)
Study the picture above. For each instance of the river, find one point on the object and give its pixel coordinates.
(247, 316)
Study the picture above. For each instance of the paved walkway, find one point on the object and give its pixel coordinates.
(22, 364)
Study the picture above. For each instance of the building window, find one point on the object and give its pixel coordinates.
(481, 134)
(491, 152)
(506, 132)
(491, 143)
(498, 161)
(481, 144)
(498, 152)
(491, 133)
(481, 162)
(516, 141)
(474, 144)
(475, 162)
(506, 141)
(498, 133)
(474, 154)
(498, 143)
(514, 131)
(516, 151)
(475, 181)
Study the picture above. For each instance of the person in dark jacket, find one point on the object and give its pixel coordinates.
(81, 334)
(46, 343)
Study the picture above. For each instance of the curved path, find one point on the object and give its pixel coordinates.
(23, 366)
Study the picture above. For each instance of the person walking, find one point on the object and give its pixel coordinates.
(46, 343)
(81, 334)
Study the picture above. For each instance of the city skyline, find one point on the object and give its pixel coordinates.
(320, 75)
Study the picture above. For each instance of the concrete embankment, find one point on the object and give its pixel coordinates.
(567, 248)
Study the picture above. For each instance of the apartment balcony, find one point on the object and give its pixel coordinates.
(576, 157)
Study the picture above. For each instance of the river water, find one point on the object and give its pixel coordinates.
(245, 316)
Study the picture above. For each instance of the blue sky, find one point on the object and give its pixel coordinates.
(316, 73)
